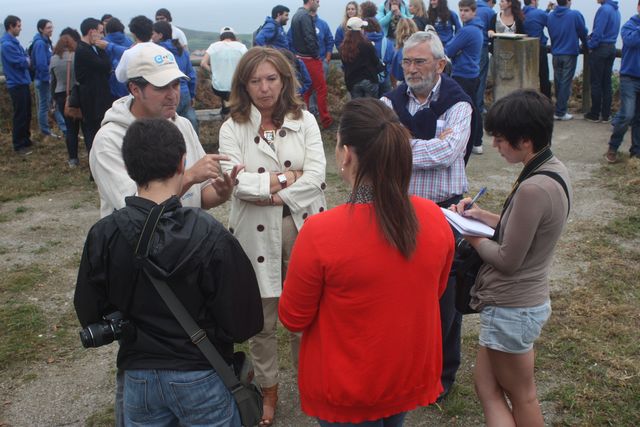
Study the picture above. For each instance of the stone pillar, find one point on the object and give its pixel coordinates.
(515, 65)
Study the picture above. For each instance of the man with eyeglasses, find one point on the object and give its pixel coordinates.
(438, 114)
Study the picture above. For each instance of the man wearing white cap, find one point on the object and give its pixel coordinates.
(154, 83)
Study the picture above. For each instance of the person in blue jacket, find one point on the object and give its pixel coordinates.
(535, 20)
(464, 52)
(566, 28)
(350, 11)
(602, 53)
(443, 19)
(485, 14)
(41, 51)
(629, 113)
(115, 34)
(162, 35)
(272, 32)
(15, 65)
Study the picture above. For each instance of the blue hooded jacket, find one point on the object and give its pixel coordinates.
(339, 37)
(184, 63)
(446, 30)
(325, 38)
(631, 48)
(118, 90)
(272, 34)
(484, 13)
(15, 62)
(534, 22)
(464, 50)
(566, 27)
(606, 24)
(41, 56)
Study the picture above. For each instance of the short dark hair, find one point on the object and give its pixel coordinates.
(141, 27)
(523, 114)
(88, 25)
(471, 4)
(106, 17)
(562, 2)
(140, 82)
(164, 12)
(71, 32)
(152, 150)
(278, 10)
(11, 21)
(41, 24)
(228, 35)
(114, 26)
(527, 2)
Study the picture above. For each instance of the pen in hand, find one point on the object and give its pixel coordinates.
(475, 199)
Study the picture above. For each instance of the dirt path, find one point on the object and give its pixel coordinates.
(51, 231)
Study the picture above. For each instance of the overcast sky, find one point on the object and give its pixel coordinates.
(243, 15)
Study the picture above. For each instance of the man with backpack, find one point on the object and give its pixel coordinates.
(271, 33)
(40, 53)
(15, 65)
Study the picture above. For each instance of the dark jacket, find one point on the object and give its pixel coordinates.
(205, 267)
(365, 66)
(93, 68)
(303, 33)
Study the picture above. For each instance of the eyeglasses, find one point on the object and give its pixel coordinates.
(418, 62)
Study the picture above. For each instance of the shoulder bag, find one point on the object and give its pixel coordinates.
(72, 101)
(247, 396)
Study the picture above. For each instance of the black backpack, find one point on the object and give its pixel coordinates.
(32, 62)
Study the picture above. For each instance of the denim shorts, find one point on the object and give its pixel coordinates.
(512, 329)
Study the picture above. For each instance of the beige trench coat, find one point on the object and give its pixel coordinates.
(298, 146)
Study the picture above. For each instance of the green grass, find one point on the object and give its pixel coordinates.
(104, 417)
(19, 281)
(21, 335)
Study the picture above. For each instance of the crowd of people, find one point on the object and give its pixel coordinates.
(367, 288)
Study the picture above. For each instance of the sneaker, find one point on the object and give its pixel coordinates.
(564, 118)
(606, 120)
(477, 149)
(591, 118)
(24, 151)
(73, 163)
(611, 156)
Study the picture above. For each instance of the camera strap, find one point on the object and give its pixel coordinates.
(196, 334)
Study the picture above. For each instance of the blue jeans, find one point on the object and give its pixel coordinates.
(172, 398)
(629, 114)
(396, 420)
(186, 110)
(564, 68)
(601, 65)
(482, 83)
(43, 96)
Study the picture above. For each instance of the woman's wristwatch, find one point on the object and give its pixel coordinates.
(282, 179)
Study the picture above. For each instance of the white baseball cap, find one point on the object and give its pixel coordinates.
(227, 30)
(155, 64)
(356, 23)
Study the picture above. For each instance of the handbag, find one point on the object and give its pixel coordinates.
(72, 101)
(467, 261)
(246, 394)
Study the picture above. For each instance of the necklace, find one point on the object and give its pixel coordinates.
(268, 135)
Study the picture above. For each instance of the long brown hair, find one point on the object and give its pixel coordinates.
(288, 101)
(440, 11)
(65, 44)
(382, 146)
(350, 47)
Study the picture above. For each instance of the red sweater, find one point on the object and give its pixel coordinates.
(371, 342)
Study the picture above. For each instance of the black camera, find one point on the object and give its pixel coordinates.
(113, 327)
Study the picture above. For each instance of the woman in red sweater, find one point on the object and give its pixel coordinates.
(364, 282)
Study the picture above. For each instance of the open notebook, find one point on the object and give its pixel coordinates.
(467, 226)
